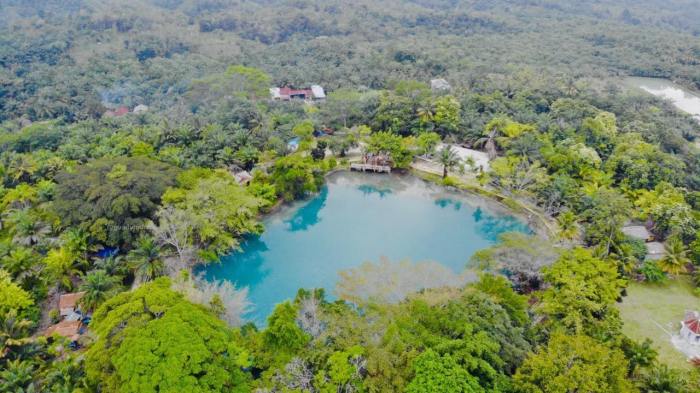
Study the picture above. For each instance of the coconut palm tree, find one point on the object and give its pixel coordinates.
(664, 379)
(498, 133)
(114, 265)
(448, 158)
(145, 260)
(14, 332)
(676, 259)
(17, 376)
(26, 228)
(98, 287)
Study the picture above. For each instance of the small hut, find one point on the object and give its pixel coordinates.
(68, 329)
(690, 328)
(68, 304)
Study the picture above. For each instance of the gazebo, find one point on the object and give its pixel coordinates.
(690, 328)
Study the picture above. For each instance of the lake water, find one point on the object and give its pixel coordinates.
(682, 98)
(356, 218)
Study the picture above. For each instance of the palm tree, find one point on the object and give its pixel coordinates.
(448, 158)
(568, 226)
(14, 332)
(498, 133)
(114, 265)
(676, 259)
(663, 379)
(98, 287)
(17, 376)
(62, 265)
(27, 229)
(145, 260)
(640, 355)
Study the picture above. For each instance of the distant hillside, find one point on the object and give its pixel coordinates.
(72, 58)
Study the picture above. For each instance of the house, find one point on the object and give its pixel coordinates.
(439, 85)
(121, 111)
(140, 108)
(65, 328)
(315, 92)
(68, 304)
(690, 328)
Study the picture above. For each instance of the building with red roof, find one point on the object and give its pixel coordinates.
(690, 327)
(315, 92)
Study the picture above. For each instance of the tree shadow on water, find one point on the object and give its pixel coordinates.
(446, 202)
(308, 215)
(491, 226)
(368, 189)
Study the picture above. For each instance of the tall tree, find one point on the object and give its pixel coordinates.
(574, 364)
(153, 340)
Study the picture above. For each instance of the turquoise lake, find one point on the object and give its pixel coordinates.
(356, 218)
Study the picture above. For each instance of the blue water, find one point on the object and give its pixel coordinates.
(357, 218)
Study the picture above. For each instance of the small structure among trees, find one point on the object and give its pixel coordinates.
(374, 162)
(68, 303)
(690, 328)
(315, 92)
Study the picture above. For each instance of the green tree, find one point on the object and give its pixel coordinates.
(498, 133)
(296, 176)
(582, 292)
(391, 145)
(62, 266)
(447, 114)
(675, 260)
(662, 379)
(427, 142)
(217, 210)
(573, 364)
(112, 198)
(12, 296)
(448, 158)
(252, 82)
(435, 374)
(145, 260)
(283, 335)
(98, 287)
(153, 340)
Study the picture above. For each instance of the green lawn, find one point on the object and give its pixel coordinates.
(648, 309)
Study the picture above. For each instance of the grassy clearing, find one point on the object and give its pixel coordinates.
(650, 309)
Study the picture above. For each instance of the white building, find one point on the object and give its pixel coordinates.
(439, 85)
(690, 328)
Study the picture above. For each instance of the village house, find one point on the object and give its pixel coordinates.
(72, 323)
(68, 329)
(121, 111)
(315, 92)
(68, 304)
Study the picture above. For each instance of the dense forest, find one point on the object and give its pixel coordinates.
(125, 126)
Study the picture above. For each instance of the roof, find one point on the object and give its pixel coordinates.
(692, 321)
(439, 84)
(121, 111)
(69, 329)
(243, 177)
(318, 91)
(285, 93)
(69, 300)
(637, 232)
